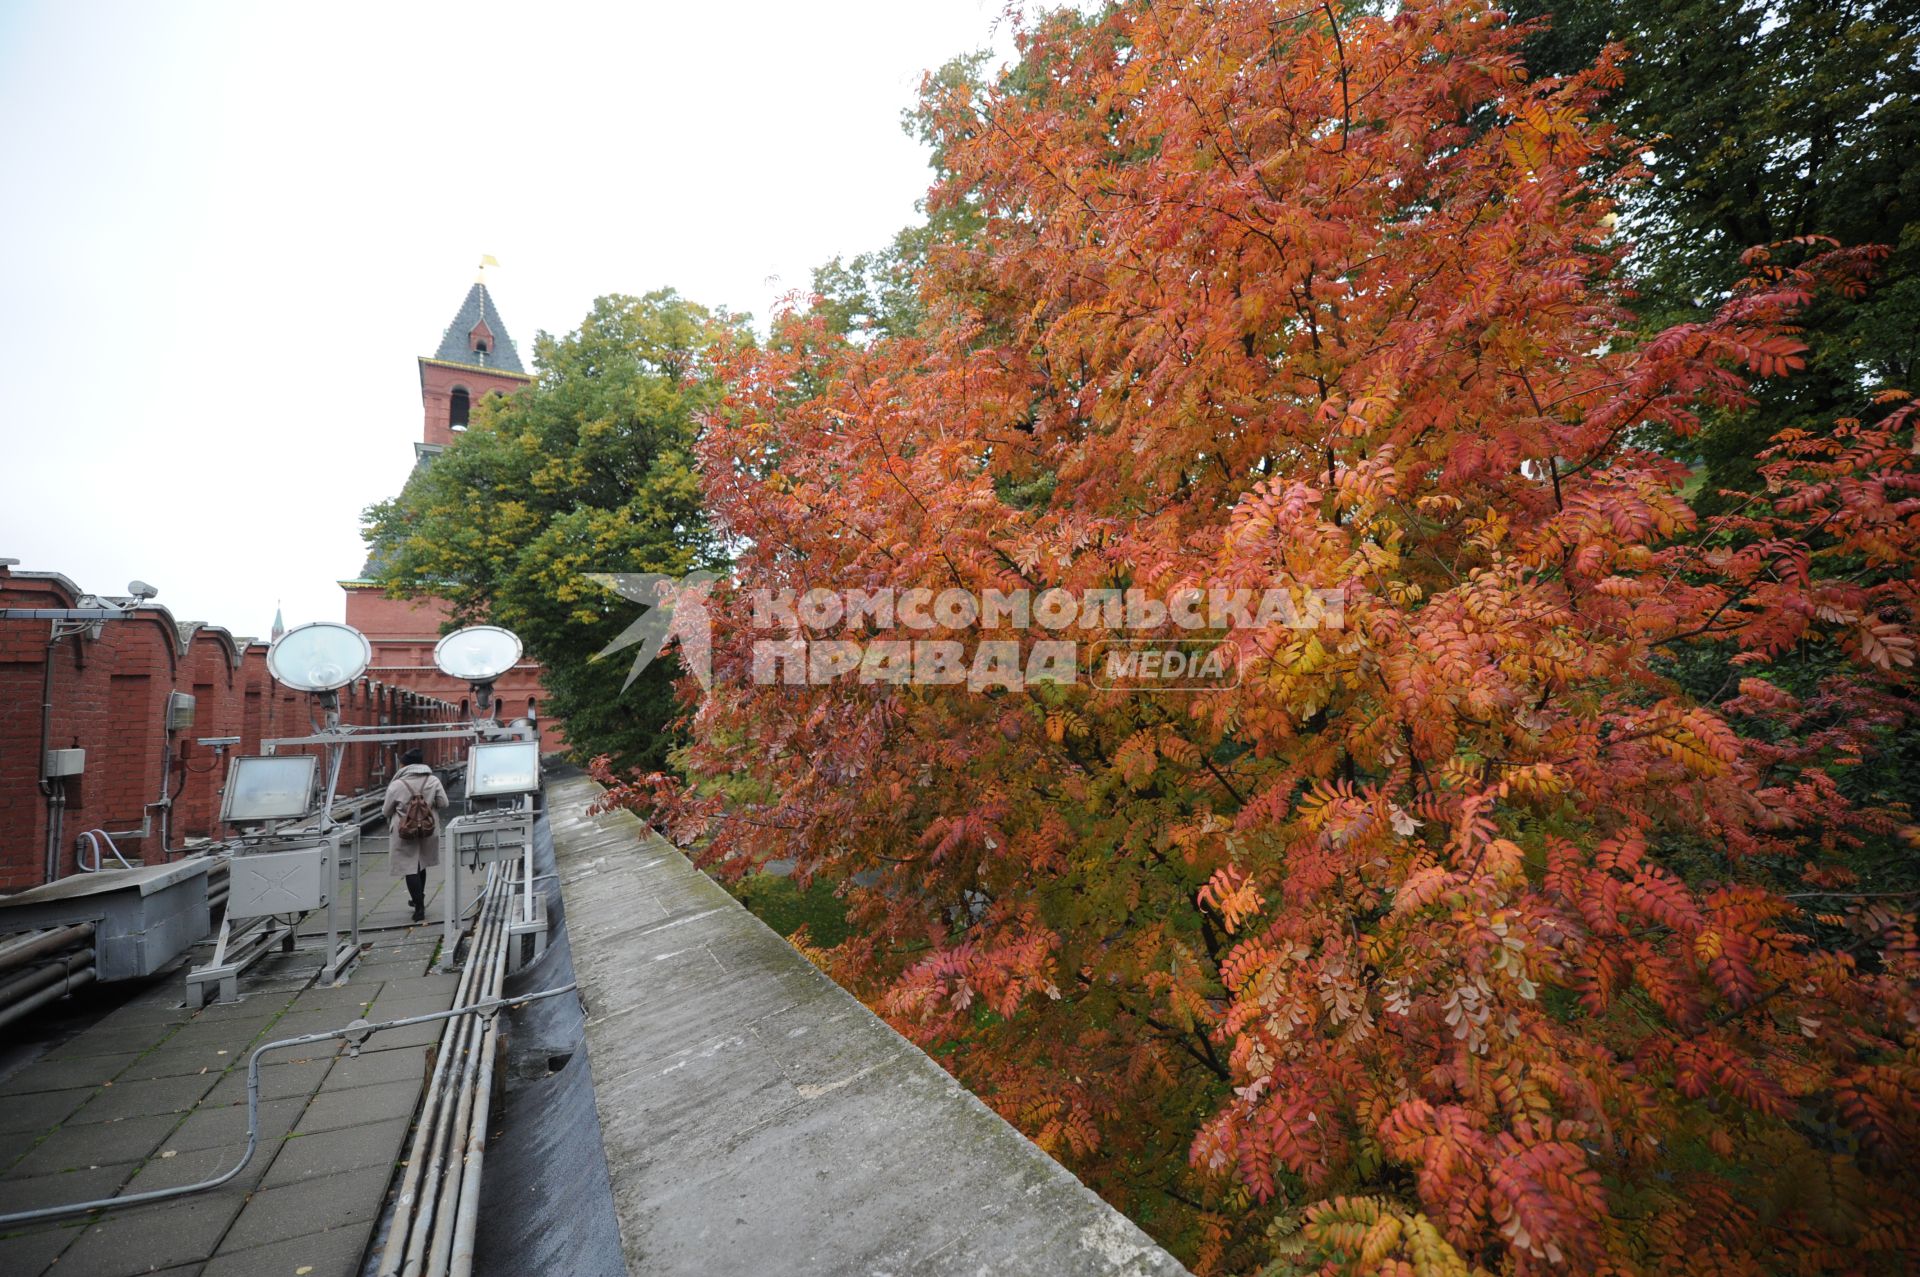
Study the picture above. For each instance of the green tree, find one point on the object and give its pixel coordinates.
(1767, 120)
(588, 471)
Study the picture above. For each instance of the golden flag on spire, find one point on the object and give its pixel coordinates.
(486, 260)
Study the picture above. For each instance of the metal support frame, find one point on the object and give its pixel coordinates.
(249, 942)
(244, 942)
(503, 837)
(508, 835)
(349, 735)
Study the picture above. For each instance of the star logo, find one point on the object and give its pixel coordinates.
(676, 611)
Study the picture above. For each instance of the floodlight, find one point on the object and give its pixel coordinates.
(477, 654)
(500, 768)
(319, 656)
(274, 787)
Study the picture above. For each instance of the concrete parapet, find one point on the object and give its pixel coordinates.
(758, 1117)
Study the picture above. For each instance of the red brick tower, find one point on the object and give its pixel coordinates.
(476, 358)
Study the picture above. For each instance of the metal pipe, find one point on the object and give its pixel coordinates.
(466, 1220)
(420, 1222)
(22, 983)
(395, 1252)
(480, 1063)
(436, 1202)
(52, 993)
(22, 951)
(91, 838)
(56, 823)
(48, 788)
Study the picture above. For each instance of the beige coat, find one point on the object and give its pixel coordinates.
(408, 855)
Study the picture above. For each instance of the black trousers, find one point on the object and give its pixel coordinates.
(417, 887)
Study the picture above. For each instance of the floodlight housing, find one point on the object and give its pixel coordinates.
(319, 656)
(271, 787)
(499, 769)
(478, 653)
(141, 590)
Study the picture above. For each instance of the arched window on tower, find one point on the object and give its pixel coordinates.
(458, 410)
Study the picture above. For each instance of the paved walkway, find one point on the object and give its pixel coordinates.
(756, 1117)
(154, 1095)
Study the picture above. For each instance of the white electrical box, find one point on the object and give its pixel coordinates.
(65, 762)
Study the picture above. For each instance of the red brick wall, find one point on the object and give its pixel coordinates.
(211, 672)
(437, 382)
(403, 633)
(378, 617)
(110, 697)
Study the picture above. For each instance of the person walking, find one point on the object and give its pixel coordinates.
(413, 829)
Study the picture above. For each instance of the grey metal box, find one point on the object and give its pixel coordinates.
(280, 882)
(179, 711)
(65, 762)
(145, 916)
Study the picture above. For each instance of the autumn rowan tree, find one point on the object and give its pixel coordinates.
(1456, 937)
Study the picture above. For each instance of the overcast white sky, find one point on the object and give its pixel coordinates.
(229, 229)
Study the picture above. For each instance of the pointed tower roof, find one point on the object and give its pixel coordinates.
(279, 626)
(477, 337)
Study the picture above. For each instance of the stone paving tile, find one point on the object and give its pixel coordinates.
(252, 1003)
(162, 1171)
(309, 1157)
(313, 1206)
(404, 988)
(30, 1251)
(66, 1075)
(411, 1036)
(355, 992)
(73, 1147)
(300, 1025)
(14, 1145)
(412, 951)
(229, 1034)
(226, 1125)
(299, 1077)
(38, 1112)
(396, 1007)
(371, 1068)
(144, 1096)
(169, 1061)
(87, 1185)
(336, 1253)
(307, 1200)
(114, 1041)
(172, 1010)
(153, 1238)
(333, 1109)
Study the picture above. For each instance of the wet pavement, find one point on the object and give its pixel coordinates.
(153, 1095)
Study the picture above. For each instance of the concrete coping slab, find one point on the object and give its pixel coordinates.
(750, 1108)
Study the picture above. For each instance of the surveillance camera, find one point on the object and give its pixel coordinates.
(141, 590)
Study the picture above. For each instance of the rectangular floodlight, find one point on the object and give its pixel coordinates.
(279, 787)
(503, 767)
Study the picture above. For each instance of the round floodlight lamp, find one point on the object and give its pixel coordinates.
(477, 654)
(319, 656)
